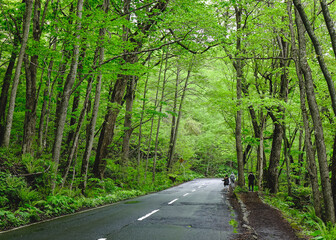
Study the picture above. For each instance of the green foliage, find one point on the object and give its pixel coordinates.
(234, 224)
(325, 231)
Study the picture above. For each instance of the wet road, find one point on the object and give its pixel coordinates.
(194, 210)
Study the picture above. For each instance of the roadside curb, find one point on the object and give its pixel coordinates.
(246, 223)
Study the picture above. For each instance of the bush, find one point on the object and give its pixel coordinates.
(15, 192)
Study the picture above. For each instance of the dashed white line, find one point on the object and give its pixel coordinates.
(193, 190)
(171, 202)
(102, 238)
(146, 216)
(186, 194)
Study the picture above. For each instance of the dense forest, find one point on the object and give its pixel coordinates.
(106, 100)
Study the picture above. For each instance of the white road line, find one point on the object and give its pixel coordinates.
(171, 202)
(185, 194)
(199, 186)
(146, 216)
(102, 238)
(193, 190)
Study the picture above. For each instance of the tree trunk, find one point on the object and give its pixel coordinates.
(65, 98)
(310, 156)
(239, 76)
(173, 122)
(330, 25)
(26, 26)
(92, 125)
(273, 168)
(160, 111)
(286, 150)
(261, 152)
(130, 91)
(319, 53)
(46, 96)
(315, 113)
(31, 99)
(107, 132)
(333, 171)
(5, 87)
(140, 126)
(75, 138)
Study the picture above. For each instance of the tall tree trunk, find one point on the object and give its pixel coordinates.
(140, 126)
(330, 25)
(5, 87)
(31, 75)
(26, 26)
(160, 111)
(319, 53)
(286, 150)
(261, 151)
(130, 92)
(273, 168)
(171, 147)
(65, 98)
(75, 138)
(333, 172)
(107, 132)
(310, 155)
(46, 96)
(179, 113)
(92, 125)
(239, 77)
(43, 125)
(318, 129)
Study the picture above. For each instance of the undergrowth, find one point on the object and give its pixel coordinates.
(301, 218)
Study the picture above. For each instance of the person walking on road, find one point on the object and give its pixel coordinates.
(251, 179)
(226, 182)
(232, 179)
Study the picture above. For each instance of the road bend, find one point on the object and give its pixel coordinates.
(196, 210)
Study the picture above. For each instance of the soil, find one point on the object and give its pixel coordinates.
(258, 220)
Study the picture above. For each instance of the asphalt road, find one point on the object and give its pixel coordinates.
(194, 210)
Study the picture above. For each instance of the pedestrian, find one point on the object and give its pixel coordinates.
(232, 179)
(226, 182)
(251, 179)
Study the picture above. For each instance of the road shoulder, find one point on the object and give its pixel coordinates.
(258, 220)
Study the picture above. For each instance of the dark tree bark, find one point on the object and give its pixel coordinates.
(6, 85)
(238, 65)
(173, 126)
(26, 26)
(310, 155)
(319, 53)
(65, 99)
(272, 180)
(318, 129)
(92, 125)
(273, 169)
(330, 25)
(160, 111)
(129, 97)
(107, 132)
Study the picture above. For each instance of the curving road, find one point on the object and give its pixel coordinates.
(194, 210)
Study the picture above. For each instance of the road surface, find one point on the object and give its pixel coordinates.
(194, 210)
